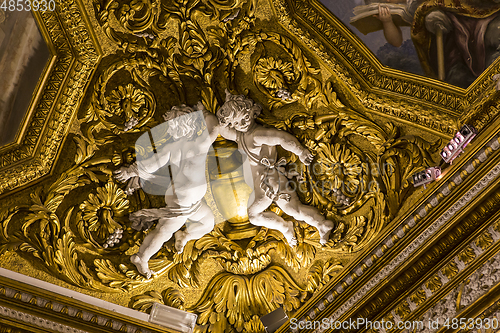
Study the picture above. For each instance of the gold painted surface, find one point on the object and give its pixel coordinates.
(369, 128)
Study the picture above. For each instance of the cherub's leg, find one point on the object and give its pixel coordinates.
(308, 214)
(200, 224)
(154, 241)
(270, 220)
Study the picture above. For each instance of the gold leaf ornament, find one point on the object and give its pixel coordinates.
(467, 255)
(320, 273)
(216, 6)
(338, 165)
(66, 258)
(102, 211)
(174, 298)
(274, 73)
(145, 301)
(123, 279)
(126, 100)
(230, 301)
(270, 74)
(450, 270)
(127, 107)
(128, 14)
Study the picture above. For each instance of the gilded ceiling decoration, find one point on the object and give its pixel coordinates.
(74, 57)
(119, 68)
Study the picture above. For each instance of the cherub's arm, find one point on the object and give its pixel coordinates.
(155, 162)
(214, 127)
(141, 170)
(211, 122)
(392, 32)
(145, 168)
(275, 137)
(227, 133)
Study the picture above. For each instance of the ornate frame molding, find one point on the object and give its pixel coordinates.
(423, 101)
(37, 321)
(75, 56)
(45, 309)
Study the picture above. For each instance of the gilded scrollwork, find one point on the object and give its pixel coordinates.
(101, 212)
(125, 108)
(226, 302)
(345, 177)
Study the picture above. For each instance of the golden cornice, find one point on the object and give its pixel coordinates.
(450, 249)
(463, 176)
(9, 327)
(468, 236)
(490, 309)
(68, 311)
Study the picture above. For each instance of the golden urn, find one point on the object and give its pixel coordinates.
(229, 189)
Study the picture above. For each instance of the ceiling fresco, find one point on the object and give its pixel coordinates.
(402, 36)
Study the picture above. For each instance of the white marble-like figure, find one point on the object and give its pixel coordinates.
(264, 173)
(186, 157)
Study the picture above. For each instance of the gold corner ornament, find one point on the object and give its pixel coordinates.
(178, 52)
(74, 58)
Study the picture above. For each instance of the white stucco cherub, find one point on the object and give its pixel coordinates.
(193, 132)
(262, 170)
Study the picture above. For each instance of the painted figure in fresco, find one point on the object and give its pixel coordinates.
(263, 172)
(471, 42)
(471, 31)
(392, 31)
(186, 158)
(389, 16)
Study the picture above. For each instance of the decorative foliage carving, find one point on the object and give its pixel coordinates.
(344, 178)
(450, 270)
(320, 273)
(127, 107)
(101, 211)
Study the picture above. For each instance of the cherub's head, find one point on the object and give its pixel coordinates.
(238, 112)
(183, 121)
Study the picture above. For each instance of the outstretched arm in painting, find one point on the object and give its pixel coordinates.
(392, 32)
